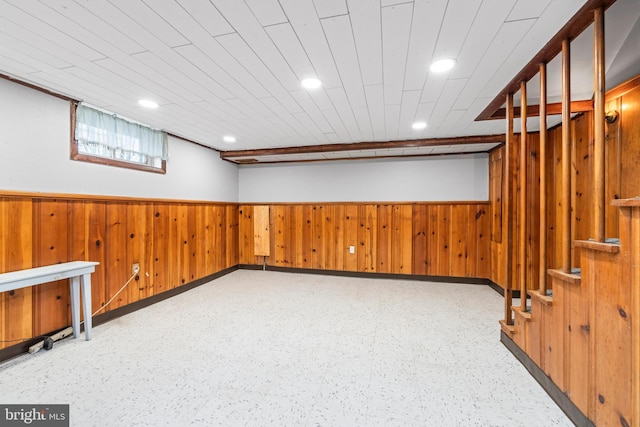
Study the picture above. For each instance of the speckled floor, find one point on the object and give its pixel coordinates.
(278, 349)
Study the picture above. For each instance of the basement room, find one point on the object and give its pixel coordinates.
(320, 213)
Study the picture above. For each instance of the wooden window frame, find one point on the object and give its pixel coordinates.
(75, 155)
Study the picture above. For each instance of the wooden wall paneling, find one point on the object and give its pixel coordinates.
(329, 229)
(611, 331)
(533, 209)
(139, 249)
(246, 233)
(209, 249)
(420, 238)
(51, 300)
(184, 236)
(192, 244)
(199, 251)
(261, 232)
(554, 327)
(161, 241)
(495, 193)
(630, 138)
(583, 188)
(220, 245)
(483, 251)
(279, 235)
(193, 211)
(96, 250)
(514, 209)
(577, 349)
(298, 220)
(86, 243)
(405, 241)
(433, 242)
(558, 231)
(536, 331)
(459, 239)
(318, 250)
(522, 334)
(290, 227)
(117, 263)
(339, 220)
(361, 248)
(307, 236)
(371, 237)
(16, 220)
(383, 255)
(613, 166)
(350, 237)
(230, 236)
(444, 251)
(474, 213)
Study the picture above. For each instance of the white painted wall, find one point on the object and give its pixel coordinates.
(35, 157)
(442, 178)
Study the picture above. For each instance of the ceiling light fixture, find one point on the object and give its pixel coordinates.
(311, 83)
(419, 125)
(442, 65)
(229, 138)
(148, 103)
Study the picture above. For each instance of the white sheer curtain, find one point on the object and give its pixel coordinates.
(105, 135)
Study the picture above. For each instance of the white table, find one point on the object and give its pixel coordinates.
(79, 272)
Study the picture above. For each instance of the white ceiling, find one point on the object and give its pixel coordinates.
(232, 67)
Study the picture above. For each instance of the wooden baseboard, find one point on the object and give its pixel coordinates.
(368, 275)
(558, 396)
(374, 275)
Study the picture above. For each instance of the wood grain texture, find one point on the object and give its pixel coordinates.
(417, 238)
(174, 243)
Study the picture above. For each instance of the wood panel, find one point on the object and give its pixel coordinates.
(261, 232)
(51, 246)
(16, 216)
(420, 239)
(383, 254)
(403, 238)
(630, 138)
(161, 236)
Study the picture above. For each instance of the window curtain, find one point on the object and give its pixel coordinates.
(106, 135)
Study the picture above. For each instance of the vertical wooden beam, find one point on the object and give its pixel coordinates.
(598, 124)
(522, 202)
(543, 180)
(508, 183)
(566, 157)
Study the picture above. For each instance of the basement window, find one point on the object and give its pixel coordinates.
(100, 137)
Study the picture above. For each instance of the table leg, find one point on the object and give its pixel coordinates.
(86, 303)
(74, 286)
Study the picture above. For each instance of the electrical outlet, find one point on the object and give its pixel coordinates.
(135, 268)
(352, 249)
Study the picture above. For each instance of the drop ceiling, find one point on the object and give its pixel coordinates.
(232, 67)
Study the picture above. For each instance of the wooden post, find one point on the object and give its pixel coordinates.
(566, 157)
(508, 182)
(542, 156)
(522, 201)
(598, 120)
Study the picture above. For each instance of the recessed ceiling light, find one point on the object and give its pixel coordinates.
(419, 125)
(148, 103)
(442, 65)
(229, 138)
(311, 83)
